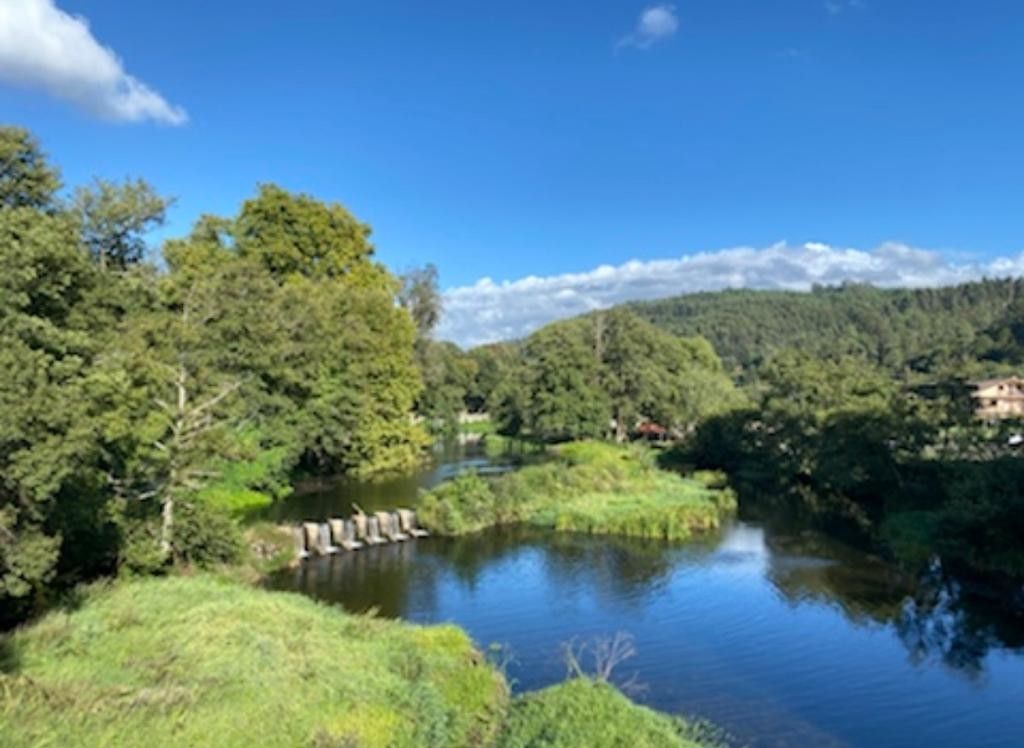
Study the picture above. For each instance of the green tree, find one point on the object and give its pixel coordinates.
(45, 439)
(299, 235)
(448, 374)
(494, 363)
(562, 395)
(419, 295)
(115, 219)
(26, 179)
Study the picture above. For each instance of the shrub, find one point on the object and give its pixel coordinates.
(583, 712)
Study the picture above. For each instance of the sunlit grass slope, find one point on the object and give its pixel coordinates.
(196, 662)
(581, 712)
(588, 487)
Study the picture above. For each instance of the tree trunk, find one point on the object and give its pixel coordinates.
(167, 528)
(620, 429)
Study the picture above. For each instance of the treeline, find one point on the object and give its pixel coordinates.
(962, 329)
(141, 402)
(853, 407)
(598, 376)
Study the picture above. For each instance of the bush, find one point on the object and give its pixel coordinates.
(583, 712)
(201, 536)
(204, 536)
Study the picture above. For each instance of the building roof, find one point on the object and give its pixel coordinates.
(983, 383)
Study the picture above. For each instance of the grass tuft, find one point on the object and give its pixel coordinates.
(584, 712)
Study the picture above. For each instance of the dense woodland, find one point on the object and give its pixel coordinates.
(954, 331)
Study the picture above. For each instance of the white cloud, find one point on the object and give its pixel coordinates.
(656, 23)
(487, 311)
(43, 47)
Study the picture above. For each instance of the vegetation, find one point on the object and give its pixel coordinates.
(143, 405)
(602, 375)
(185, 662)
(591, 713)
(910, 469)
(955, 331)
(588, 487)
(202, 661)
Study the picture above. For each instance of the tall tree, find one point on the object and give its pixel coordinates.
(562, 398)
(115, 219)
(297, 235)
(45, 439)
(421, 297)
(26, 179)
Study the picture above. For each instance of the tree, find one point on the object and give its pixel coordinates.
(419, 295)
(448, 373)
(26, 179)
(45, 440)
(562, 395)
(115, 219)
(494, 363)
(297, 235)
(626, 347)
(328, 354)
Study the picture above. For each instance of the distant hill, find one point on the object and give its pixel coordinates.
(965, 328)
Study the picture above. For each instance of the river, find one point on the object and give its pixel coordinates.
(782, 637)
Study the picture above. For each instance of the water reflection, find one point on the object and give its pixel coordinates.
(785, 638)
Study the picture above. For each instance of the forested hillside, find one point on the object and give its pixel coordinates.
(930, 330)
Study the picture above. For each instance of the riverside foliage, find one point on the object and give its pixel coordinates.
(587, 487)
(143, 401)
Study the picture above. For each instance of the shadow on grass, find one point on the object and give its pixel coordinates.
(10, 660)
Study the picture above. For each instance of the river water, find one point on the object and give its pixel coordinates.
(782, 637)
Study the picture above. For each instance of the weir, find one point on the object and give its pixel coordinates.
(337, 534)
(388, 522)
(324, 544)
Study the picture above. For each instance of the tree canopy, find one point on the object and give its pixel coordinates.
(130, 391)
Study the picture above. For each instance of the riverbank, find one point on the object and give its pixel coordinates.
(204, 661)
(588, 487)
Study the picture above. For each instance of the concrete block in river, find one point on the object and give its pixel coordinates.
(300, 542)
(324, 545)
(388, 523)
(343, 533)
(408, 524)
(312, 532)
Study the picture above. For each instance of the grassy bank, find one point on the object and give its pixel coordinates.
(203, 661)
(187, 662)
(588, 487)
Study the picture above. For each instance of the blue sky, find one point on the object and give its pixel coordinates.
(511, 139)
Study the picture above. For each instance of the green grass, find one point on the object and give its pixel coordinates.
(582, 712)
(477, 427)
(589, 487)
(195, 661)
(201, 661)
